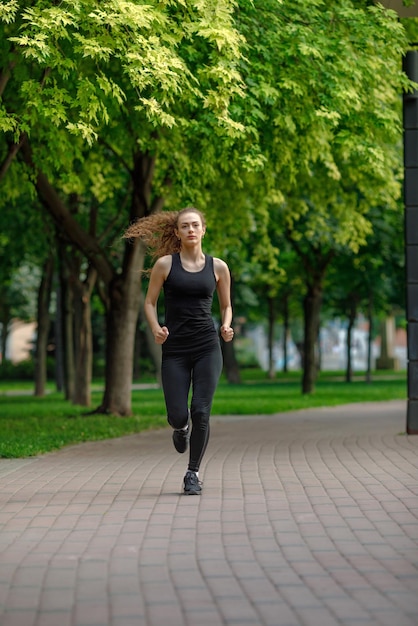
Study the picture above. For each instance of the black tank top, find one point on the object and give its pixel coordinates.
(188, 308)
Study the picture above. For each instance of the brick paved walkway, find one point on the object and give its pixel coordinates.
(306, 518)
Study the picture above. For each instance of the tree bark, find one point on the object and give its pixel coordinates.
(315, 262)
(125, 296)
(286, 332)
(270, 338)
(43, 324)
(231, 367)
(121, 320)
(312, 308)
(5, 321)
(351, 321)
(369, 339)
(136, 369)
(58, 336)
(318, 349)
(84, 339)
(153, 348)
(155, 352)
(67, 330)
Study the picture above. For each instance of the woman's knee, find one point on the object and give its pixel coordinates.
(200, 414)
(178, 418)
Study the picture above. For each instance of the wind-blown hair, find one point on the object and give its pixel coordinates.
(157, 231)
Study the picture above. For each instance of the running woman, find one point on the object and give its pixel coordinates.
(191, 352)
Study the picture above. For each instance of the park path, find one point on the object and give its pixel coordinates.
(306, 519)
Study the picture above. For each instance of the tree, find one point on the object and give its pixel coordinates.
(324, 130)
(330, 131)
(372, 280)
(144, 81)
(281, 101)
(25, 246)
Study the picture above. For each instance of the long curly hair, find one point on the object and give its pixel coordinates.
(157, 231)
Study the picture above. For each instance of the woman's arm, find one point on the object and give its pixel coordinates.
(158, 276)
(223, 287)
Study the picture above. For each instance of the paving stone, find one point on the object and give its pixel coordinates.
(306, 519)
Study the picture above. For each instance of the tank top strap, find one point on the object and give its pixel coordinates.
(209, 264)
(175, 259)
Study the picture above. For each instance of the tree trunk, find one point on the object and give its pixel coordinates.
(4, 332)
(270, 338)
(84, 340)
(121, 320)
(124, 298)
(315, 264)
(59, 344)
(286, 331)
(348, 342)
(231, 367)
(153, 348)
(369, 339)
(43, 324)
(348, 367)
(319, 349)
(155, 352)
(68, 334)
(67, 284)
(312, 308)
(230, 363)
(136, 368)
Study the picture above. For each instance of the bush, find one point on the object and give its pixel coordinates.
(19, 371)
(25, 370)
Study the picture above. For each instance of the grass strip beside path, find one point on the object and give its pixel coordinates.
(30, 426)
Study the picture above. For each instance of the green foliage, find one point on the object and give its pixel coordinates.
(323, 143)
(328, 128)
(410, 25)
(139, 78)
(300, 81)
(23, 371)
(8, 10)
(96, 56)
(374, 277)
(281, 119)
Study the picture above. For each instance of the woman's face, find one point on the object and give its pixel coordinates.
(190, 228)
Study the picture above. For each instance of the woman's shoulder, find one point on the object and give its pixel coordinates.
(220, 267)
(219, 264)
(163, 265)
(164, 260)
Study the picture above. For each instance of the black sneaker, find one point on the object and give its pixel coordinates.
(181, 440)
(192, 485)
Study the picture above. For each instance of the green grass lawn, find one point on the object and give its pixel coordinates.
(31, 426)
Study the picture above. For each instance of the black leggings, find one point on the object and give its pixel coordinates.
(202, 372)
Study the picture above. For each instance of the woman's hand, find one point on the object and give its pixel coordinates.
(227, 333)
(161, 334)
